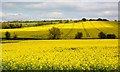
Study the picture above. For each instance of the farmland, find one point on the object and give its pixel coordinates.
(90, 29)
(66, 53)
(60, 55)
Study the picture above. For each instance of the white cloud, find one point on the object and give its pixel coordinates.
(58, 10)
(50, 15)
(40, 5)
(13, 14)
(107, 12)
(57, 14)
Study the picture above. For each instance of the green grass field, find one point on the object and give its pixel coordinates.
(90, 29)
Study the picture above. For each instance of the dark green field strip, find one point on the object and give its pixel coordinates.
(26, 23)
(87, 34)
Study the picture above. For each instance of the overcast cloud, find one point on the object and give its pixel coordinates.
(58, 10)
(59, 0)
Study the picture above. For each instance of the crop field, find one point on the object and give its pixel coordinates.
(59, 36)
(65, 53)
(60, 54)
(90, 29)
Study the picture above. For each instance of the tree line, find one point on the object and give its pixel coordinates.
(7, 25)
(20, 24)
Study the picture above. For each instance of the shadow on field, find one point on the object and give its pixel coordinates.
(10, 41)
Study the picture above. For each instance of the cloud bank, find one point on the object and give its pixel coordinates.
(58, 10)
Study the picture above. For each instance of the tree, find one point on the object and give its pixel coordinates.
(105, 20)
(60, 21)
(5, 25)
(79, 35)
(101, 35)
(54, 33)
(44, 21)
(7, 35)
(75, 21)
(39, 23)
(67, 21)
(99, 19)
(111, 36)
(11, 25)
(83, 19)
(92, 19)
(20, 26)
(15, 36)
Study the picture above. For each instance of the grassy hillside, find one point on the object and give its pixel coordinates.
(90, 29)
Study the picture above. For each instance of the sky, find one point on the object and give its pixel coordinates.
(60, 0)
(59, 9)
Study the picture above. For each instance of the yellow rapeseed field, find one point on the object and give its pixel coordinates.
(60, 54)
(93, 28)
